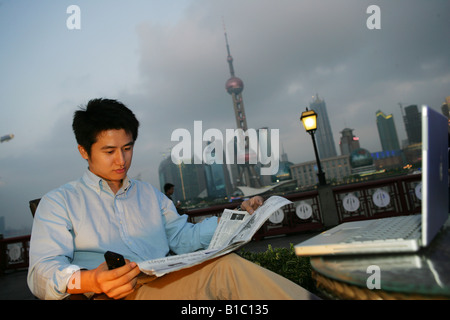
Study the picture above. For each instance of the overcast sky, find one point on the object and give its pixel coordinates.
(166, 60)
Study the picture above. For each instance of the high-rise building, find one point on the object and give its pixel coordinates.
(413, 124)
(246, 172)
(189, 179)
(348, 141)
(218, 184)
(445, 107)
(387, 132)
(324, 135)
(265, 180)
(217, 180)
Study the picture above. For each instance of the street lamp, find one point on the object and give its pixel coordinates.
(309, 120)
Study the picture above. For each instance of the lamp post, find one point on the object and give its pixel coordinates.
(309, 120)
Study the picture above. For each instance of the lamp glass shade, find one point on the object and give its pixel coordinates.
(309, 119)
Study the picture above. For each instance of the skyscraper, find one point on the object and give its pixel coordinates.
(246, 172)
(189, 179)
(324, 135)
(348, 141)
(445, 107)
(387, 132)
(413, 124)
(218, 183)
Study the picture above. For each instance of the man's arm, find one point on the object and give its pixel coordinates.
(51, 249)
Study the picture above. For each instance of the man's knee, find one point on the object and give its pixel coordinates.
(235, 264)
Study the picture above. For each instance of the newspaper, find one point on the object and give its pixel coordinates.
(234, 229)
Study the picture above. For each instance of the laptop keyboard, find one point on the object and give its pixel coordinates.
(395, 228)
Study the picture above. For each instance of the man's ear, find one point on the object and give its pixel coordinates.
(83, 152)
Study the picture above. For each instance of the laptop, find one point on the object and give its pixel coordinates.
(416, 231)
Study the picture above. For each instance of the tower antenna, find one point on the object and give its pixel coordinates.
(229, 57)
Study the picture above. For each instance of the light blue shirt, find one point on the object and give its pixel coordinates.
(77, 223)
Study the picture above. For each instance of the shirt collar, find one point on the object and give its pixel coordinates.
(99, 184)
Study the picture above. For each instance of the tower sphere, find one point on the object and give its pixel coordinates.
(234, 85)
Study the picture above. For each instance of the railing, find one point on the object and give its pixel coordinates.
(285, 220)
(367, 200)
(302, 214)
(14, 253)
(378, 199)
(394, 196)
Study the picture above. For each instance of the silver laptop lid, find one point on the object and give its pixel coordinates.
(435, 189)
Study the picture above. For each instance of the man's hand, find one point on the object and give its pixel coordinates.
(119, 282)
(116, 284)
(252, 204)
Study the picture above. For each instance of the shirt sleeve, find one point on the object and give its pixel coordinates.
(183, 236)
(51, 250)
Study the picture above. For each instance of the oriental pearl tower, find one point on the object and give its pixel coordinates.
(235, 86)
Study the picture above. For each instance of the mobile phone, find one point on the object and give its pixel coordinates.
(114, 260)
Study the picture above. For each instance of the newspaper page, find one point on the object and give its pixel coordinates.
(161, 266)
(235, 228)
(230, 223)
(257, 220)
(240, 226)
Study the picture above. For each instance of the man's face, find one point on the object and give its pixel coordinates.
(110, 156)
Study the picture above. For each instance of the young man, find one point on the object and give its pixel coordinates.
(105, 210)
(168, 190)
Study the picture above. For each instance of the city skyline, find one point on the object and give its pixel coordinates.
(166, 62)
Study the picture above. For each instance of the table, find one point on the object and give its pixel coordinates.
(422, 275)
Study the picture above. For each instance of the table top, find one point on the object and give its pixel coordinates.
(422, 274)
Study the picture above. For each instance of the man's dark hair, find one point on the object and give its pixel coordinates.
(167, 186)
(101, 115)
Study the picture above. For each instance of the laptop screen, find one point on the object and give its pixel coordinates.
(435, 188)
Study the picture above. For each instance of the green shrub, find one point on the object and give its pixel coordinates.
(284, 262)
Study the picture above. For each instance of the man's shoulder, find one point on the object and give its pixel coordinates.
(147, 190)
(57, 200)
(64, 190)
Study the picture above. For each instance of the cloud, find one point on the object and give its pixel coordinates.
(309, 46)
